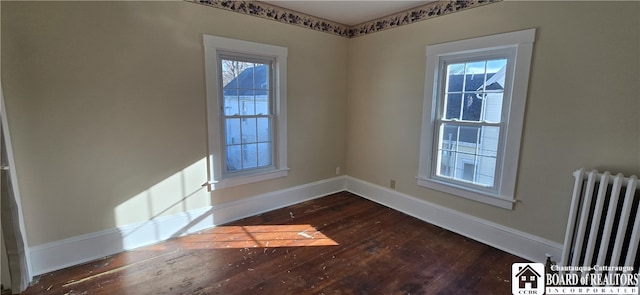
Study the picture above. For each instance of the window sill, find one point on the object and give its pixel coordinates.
(467, 193)
(246, 179)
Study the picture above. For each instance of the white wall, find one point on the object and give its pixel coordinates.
(106, 101)
(582, 108)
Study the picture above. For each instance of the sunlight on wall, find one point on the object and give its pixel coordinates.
(251, 236)
(177, 193)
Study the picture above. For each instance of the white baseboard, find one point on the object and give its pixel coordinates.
(84, 248)
(80, 249)
(507, 239)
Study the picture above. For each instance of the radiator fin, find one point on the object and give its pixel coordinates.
(604, 221)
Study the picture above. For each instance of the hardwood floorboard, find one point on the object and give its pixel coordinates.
(339, 244)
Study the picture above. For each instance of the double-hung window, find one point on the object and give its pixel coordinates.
(475, 93)
(246, 112)
(246, 108)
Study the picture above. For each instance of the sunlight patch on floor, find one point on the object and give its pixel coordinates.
(256, 236)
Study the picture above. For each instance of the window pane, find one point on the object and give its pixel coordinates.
(475, 90)
(249, 156)
(496, 70)
(468, 171)
(493, 107)
(264, 130)
(472, 107)
(262, 105)
(453, 134)
(450, 133)
(229, 74)
(447, 163)
(231, 105)
(248, 104)
(485, 171)
(247, 77)
(264, 154)
(489, 141)
(261, 78)
(469, 134)
(233, 76)
(454, 103)
(233, 131)
(234, 160)
(455, 72)
(249, 134)
(474, 75)
(468, 153)
(494, 90)
(247, 86)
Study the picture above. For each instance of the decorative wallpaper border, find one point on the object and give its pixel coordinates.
(420, 13)
(276, 13)
(283, 15)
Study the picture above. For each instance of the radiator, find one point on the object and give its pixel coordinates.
(604, 221)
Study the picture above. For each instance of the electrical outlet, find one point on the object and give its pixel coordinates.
(392, 183)
(338, 170)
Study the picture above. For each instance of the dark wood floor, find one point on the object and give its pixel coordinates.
(339, 244)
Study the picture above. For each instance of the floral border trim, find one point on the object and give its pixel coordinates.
(276, 13)
(283, 15)
(427, 11)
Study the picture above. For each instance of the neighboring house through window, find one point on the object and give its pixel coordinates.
(246, 108)
(475, 93)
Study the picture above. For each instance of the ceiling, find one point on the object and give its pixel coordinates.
(348, 12)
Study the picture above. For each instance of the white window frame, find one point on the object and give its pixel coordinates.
(213, 45)
(520, 45)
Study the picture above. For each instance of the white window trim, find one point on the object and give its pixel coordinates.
(213, 44)
(522, 42)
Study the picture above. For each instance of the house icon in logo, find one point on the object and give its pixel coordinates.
(527, 275)
(527, 278)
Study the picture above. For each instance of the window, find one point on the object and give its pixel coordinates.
(247, 116)
(475, 93)
(246, 108)
(468, 137)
